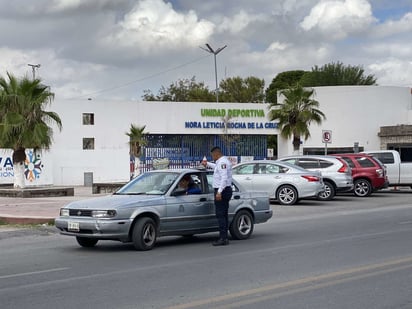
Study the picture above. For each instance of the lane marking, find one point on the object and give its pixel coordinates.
(371, 270)
(33, 273)
(314, 286)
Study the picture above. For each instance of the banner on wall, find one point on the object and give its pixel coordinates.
(38, 168)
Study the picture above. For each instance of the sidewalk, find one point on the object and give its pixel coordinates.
(38, 210)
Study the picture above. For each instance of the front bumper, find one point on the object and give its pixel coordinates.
(95, 228)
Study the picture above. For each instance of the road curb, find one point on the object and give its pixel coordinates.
(25, 220)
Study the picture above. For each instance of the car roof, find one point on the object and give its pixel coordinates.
(351, 154)
(285, 164)
(309, 156)
(178, 170)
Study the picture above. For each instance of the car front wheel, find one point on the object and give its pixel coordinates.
(362, 187)
(86, 242)
(242, 225)
(144, 234)
(287, 195)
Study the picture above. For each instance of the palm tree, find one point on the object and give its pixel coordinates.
(296, 113)
(23, 121)
(136, 136)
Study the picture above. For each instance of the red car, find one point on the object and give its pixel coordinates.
(368, 173)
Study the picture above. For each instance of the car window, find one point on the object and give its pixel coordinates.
(210, 182)
(272, 168)
(349, 161)
(150, 183)
(308, 163)
(325, 163)
(290, 161)
(384, 157)
(243, 169)
(365, 162)
(195, 184)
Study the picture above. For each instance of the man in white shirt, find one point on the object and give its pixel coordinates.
(222, 184)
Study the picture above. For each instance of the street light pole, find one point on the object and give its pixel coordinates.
(214, 52)
(33, 68)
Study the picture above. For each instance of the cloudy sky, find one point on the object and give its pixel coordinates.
(115, 49)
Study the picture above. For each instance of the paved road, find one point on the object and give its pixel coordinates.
(347, 253)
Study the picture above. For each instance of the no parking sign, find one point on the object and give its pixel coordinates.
(327, 136)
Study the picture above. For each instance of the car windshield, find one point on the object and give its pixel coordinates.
(157, 183)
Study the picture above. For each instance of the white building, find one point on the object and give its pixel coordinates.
(93, 145)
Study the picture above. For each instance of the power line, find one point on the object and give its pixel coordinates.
(140, 79)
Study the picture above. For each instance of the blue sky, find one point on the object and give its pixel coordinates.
(116, 49)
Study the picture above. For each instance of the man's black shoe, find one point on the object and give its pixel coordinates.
(221, 242)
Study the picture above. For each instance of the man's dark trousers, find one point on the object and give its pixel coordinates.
(222, 208)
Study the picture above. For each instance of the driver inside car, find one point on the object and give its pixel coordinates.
(187, 184)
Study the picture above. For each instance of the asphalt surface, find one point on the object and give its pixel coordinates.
(347, 253)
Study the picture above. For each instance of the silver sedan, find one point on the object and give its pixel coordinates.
(161, 203)
(286, 183)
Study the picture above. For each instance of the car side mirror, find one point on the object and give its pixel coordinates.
(178, 192)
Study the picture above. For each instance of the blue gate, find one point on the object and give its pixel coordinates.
(184, 151)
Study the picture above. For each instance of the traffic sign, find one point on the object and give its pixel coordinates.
(327, 136)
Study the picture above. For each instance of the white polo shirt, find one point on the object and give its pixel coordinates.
(222, 175)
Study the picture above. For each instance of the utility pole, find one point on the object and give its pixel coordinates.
(33, 68)
(214, 52)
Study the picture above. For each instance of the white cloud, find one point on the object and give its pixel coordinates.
(392, 72)
(277, 46)
(153, 24)
(401, 50)
(392, 27)
(337, 19)
(240, 21)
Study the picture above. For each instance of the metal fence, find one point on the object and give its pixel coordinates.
(183, 151)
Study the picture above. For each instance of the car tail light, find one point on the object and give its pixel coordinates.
(380, 172)
(344, 168)
(311, 178)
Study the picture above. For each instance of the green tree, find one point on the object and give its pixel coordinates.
(24, 122)
(184, 90)
(137, 140)
(296, 113)
(237, 89)
(282, 81)
(336, 74)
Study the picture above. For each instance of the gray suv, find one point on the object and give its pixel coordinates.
(336, 173)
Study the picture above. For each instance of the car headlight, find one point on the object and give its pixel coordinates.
(64, 212)
(103, 213)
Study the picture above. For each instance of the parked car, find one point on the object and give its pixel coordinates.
(153, 204)
(368, 173)
(399, 173)
(284, 182)
(336, 173)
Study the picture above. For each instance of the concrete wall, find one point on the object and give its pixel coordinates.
(109, 161)
(355, 114)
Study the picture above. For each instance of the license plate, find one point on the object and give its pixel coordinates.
(73, 226)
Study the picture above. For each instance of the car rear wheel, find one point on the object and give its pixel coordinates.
(329, 192)
(287, 195)
(242, 225)
(144, 234)
(362, 187)
(86, 242)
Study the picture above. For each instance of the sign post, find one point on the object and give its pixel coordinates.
(326, 139)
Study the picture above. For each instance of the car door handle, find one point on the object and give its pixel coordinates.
(248, 178)
(236, 197)
(203, 199)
